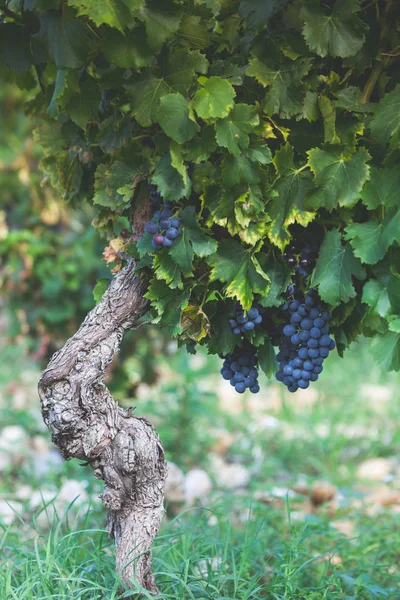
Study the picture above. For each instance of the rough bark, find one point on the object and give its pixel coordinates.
(86, 423)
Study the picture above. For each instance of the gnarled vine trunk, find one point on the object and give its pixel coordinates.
(86, 423)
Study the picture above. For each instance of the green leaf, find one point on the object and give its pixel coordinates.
(15, 47)
(286, 205)
(171, 183)
(349, 99)
(257, 12)
(371, 240)
(166, 268)
(168, 304)
(100, 288)
(177, 74)
(285, 95)
(58, 92)
(162, 20)
(232, 132)
(245, 168)
(386, 121)
(338, 178)
(174, 117)
(193, 241)
(266, 358)
(394, 323)
(83, 105)
(376, 296)
(383, 188)
(386, 350)
(127, 51)
(66, 41)
(215, 99)
(240, 269)
(336, 265)
(114, 13)
(193, 33)
(336, 33)
(279, 274)
(328, 113)
(115, 184)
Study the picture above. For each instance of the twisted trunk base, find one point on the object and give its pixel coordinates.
(86, 423)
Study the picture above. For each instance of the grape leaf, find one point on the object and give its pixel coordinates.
(386, 120)
(371, 240)
(383, 188)
(195, 323)
(214, 99)
(285, 95)
(100, 288)
(177, 74)
(376, 296)
(193, 33)
(174, 117)
(66, 42)
(15, 47)
(114, 13)
(171, 183)
(232, 132)
(193, 241)
(286, 205)
(279, 274)
(245, 168)
(257, 12)
(335, 267)
(166, 268)
(336, 33)
(386, 350)
(338, 178)
(130, 50)
(266, 358)
(168, 303)
(115, 184)
(83, 104)
(162, 20)
(240, 269)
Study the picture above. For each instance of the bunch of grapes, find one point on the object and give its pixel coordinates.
(306, 342)
(164, 227)
(243, 322)
(303, 260)
(240, 369)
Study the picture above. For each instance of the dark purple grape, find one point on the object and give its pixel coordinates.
(253, 313)
(319, 322)
(303, 353)
(158, 238)
(304, 335)
(306, 375)
(306, 323)
(258, 320)
(238, 377)
(171, 233)
(295, 339)
(249, 381)
(325, 340)
(151, 227)
(312, 343)
(303, 384)
(303, 310)
(295, 319)
(167, 243)
(227, 374)
(155, 246)
(291, 261)
(166, 213)
(255, 388)
(289, 330)
(279, 375)
(308, 365)
(165, 224)
(240, 387)
(323, 351)
(326, 316)
(248, 326)
(315, 332)
(175, 222)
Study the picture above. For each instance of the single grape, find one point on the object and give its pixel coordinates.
(308, 365)
(303, 310)
(297, 374)
(304, 335)
(167, 243)
(240, 387)
(155, 246)
(313, 353)
(291, 261)
(166, 213)
(175, 222)
(289, 330)
(318, 361)
(258, 320)
(323, 351)
(248, 326)
(232, 382)
(290, 290)
(303, 353)
(158, 238)
(227, 374)
(287, 380)
(253, 313)
(235, 366)
(151, 227)
(306, 323)
(279, 375)
(241, 318)
(232, 322)
(314, 313)
(318, 369)
(325, 340)
(165, 223)
(297, 362)
(171, 233)
(305, 375)
(156, 215)
(255, 388)
(253, 373)
(319, 322)
(326, 316)
(309, 301)
(312, 343)
(249, 381)
(332, 345)
(303, 384)
(313, 377)
(295, 319)
(238, 377)
(245, 371)
(315, 332)
(293, 388)
(295, 339)
(288, 370)
(293, 306)
(236, 330)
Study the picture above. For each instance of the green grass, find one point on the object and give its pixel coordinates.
(236, 547)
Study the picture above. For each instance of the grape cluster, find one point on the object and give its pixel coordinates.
(240, 369)
(305, 344)
(302, 259)
(242, 322)
(164, 228)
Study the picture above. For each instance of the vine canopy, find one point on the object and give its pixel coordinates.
(260, 122)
